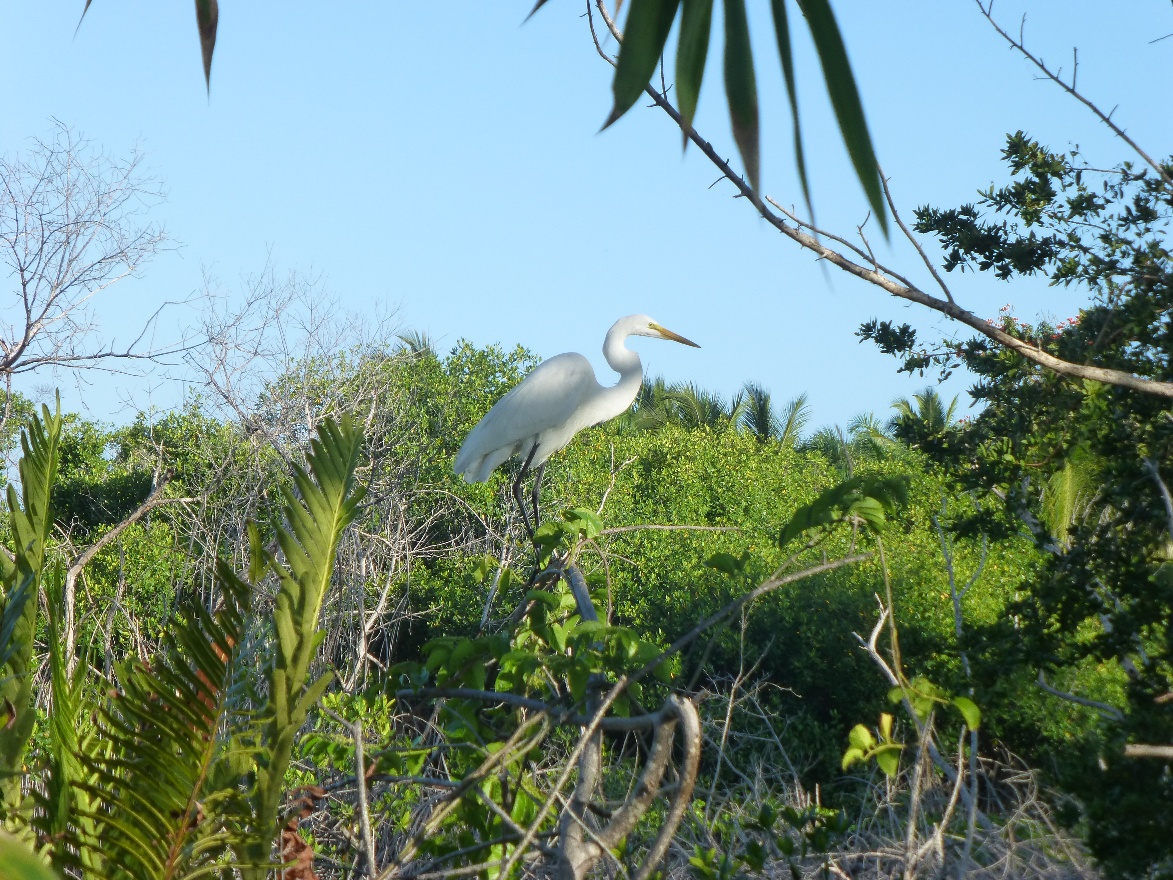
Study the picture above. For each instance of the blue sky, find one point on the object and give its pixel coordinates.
(443, 159)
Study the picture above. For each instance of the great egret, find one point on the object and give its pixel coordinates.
(554, 402)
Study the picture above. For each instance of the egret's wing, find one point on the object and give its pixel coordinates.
(547, 398)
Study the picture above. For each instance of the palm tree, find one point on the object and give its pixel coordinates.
(417, 343)
(869, 436)
(683, 404)
(925, 418)
(795, 417)
(835, 445)
(759, 418)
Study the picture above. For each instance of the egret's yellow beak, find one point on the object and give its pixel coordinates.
(668, 334)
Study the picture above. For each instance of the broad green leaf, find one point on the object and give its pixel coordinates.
(548, 599)
(585, 521)
(741, 88)
(969, 711)
(888, 759)
(851, 756)
(727, 563)
(485, 566)
(885, 726)
(845, 101)
(782, 33)
(755, 855)
(696, 23)
(861, 738)
(644, 36)
(872, 499)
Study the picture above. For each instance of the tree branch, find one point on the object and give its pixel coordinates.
(910, 292)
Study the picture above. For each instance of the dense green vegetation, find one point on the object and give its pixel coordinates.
(276, 626)
(691, 498)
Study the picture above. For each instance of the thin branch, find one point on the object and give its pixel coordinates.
(364, 813)
(1105, 118)
(1103, 708)
(1150, 465)
(153, 500)
(912, 238)
(906, 291)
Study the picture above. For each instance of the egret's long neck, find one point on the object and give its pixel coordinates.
(626, 363)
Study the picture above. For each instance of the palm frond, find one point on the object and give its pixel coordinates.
(756, 416)
(326, 502)
(869, 436)
(153, 814)
(65, 803)
(30, 519)
(795, 417)
(1068, 494)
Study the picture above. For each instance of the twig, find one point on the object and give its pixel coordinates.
(364, 813)
(912, 238)
(1105, 118)
(1103, 708)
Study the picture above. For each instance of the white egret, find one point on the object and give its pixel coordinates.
(554, 402)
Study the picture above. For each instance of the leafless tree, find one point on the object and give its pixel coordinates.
(73, 222)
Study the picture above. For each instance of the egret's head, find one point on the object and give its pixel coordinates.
(642, 325)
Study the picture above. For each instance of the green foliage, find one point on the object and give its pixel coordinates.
(646, 32)
(867, 499)
(785, 833)
(158, 809)
(1082, 466)
(864, 747)
(18, 862)
(326, 504)
(172, 773)
(30, 522)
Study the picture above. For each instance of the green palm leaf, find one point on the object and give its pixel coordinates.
(30, 519)
(325, 504)
(151, 812)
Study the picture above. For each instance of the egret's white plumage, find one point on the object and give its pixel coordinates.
(554, 402)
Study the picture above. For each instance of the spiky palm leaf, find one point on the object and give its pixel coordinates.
(869, 437)
(757, 416)
(1069, 493)
(326, 502)
(833, 443)
(926, 415)
(66, 804)
(795, 417)
(30, 519)
(151, 813)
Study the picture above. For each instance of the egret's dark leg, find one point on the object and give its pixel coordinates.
(537, 489)
(517, 494)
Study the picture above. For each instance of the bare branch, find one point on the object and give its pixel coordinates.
(1105, 118)
(902, 288)
(72, 226)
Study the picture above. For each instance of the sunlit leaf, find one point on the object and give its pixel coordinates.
(845, 101)
(888, 759)
(696, 23)
(644, 36)
(861, 738)
(741, 87)
(969, 711)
